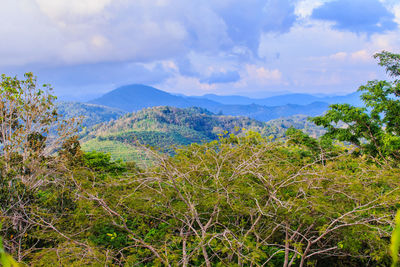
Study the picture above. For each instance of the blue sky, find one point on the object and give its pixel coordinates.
(253, 47)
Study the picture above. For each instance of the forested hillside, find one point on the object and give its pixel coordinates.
(166, 128)
(163, 128)
(235, 200)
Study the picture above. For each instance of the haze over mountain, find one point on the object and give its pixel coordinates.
(284, 99)
(136, 97)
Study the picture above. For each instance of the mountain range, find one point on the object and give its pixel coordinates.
(284, 99)
(135, 97)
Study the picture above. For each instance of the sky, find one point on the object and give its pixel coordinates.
(84, 48)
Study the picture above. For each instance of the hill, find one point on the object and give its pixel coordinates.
(166, 128)
(162, 127)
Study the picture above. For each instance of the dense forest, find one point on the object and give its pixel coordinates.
(245, 199)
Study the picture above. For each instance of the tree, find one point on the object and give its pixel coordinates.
(30, 133)
(30, 126)
(249, 201)
(374, 129)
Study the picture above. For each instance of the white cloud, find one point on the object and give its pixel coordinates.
(262, 75)
(339, 56)
(396, 11)
(63, 9)
(304, 8)
(315, 57)
(190, 41)
(361, 56)
(186, 85)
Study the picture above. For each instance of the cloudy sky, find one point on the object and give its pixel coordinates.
(194, 47)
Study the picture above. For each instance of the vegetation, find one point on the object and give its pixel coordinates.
(237, 200)
(395, 244)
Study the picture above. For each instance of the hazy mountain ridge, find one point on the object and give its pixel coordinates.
(284, 99)
(136, 97)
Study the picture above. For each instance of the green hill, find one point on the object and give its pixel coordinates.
(166, 128)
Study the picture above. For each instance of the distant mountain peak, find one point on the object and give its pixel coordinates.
(137, 96)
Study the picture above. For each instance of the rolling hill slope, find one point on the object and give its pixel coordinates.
(167, 127)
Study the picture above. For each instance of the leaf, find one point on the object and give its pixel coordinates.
(395, 240)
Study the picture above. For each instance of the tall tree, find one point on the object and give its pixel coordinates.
(375, 128)
(30, 132)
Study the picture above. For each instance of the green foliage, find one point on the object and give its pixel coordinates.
(5, 259)
(69, 254)
(117, 150)
(249, 191)
(101, 162)
(395, 241)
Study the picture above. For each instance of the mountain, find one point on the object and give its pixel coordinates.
(136, 97)
(92, 114)
(299, 99)
(264, 113)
